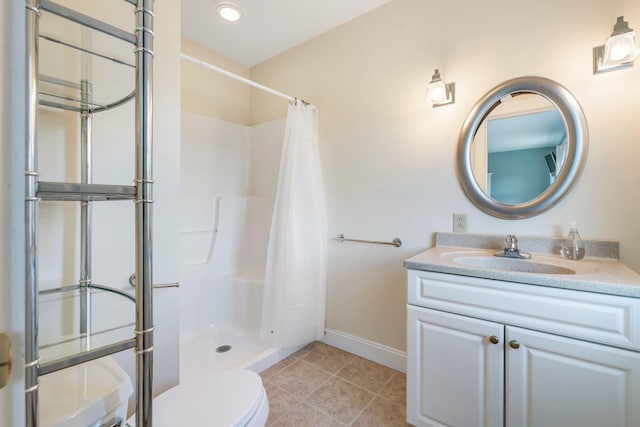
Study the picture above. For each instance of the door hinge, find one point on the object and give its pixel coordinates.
(5, 359)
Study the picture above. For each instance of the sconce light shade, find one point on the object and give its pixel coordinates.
(619, 51)
(440, 93)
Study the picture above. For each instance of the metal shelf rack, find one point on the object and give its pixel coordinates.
(85, 192)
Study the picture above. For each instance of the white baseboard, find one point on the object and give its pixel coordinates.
(373, 351)
(270, 357)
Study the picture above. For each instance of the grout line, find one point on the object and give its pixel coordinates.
(332, 375)
(362, 410)
(353, 360)
(325, 413)
(289, 407)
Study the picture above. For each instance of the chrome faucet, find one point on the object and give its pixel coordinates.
(511, 249)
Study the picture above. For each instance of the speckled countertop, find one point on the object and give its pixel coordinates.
(600, 271)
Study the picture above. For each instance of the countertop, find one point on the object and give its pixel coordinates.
(602, 274)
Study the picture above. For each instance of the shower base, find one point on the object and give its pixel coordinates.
(198, 353)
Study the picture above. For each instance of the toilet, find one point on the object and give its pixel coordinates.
(96, 394)
(229, 398)
(93, 394)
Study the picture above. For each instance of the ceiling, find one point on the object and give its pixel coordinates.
(544, 129)
(269, 27)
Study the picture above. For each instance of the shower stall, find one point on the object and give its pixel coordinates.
(229, 178)
(253, 236)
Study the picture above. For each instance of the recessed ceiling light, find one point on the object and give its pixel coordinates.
(229, 12)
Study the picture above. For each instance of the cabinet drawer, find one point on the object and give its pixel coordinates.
(606, 319)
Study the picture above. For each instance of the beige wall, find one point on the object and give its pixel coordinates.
(210, 94)
(388, 157)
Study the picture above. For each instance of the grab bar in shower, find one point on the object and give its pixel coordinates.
(395, 242)
(132, 282)
(166, 285)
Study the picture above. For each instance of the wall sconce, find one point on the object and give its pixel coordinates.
(619, 51)
(440, 93)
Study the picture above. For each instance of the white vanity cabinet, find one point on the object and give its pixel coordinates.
(485, 352)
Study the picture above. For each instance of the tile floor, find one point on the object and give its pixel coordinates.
(322, 386)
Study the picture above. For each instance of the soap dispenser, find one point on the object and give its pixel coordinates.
(573, 247)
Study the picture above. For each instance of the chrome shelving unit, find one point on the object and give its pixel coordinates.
(77, 96)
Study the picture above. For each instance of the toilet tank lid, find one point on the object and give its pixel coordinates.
(83, 394)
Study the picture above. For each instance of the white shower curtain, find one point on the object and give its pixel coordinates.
(293, 310)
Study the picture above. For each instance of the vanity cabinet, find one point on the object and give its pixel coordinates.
(484, 352)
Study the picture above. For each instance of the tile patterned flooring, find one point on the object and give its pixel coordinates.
(322, 386)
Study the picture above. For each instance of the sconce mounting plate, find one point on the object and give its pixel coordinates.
(451, 95)
(598, 55)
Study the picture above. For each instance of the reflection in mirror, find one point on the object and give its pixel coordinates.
(519, 148)
(522, 147)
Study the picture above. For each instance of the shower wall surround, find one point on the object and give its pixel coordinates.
(229, 176)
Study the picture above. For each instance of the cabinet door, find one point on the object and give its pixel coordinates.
(455, 373)
(552, 381)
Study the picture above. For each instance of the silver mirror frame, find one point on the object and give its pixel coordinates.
(577, 146)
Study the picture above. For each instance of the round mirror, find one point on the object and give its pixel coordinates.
(522, 147)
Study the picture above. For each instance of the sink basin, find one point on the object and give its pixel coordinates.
(538, 264)
(513, 264)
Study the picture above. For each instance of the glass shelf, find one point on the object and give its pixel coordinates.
(111, 321)
(66, 191)
(76, 48)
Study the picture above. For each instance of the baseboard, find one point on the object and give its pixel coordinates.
(270, 357)
(373, 351)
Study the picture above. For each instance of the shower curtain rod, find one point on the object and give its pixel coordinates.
(237, 77)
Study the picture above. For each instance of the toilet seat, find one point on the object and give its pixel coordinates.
(230, 398)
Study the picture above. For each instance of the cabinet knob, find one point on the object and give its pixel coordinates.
(514, 344)
(494, 339)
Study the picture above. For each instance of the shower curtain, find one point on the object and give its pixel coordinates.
(293, 310)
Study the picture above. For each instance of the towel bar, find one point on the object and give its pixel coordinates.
(395, 242)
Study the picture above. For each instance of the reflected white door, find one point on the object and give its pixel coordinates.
(11, 206)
